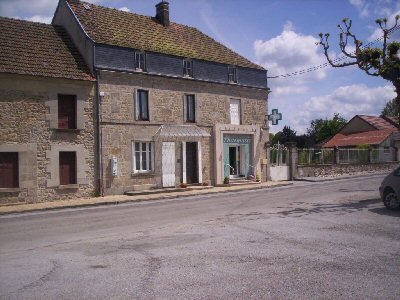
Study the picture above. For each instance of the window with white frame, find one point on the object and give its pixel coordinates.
(187, 68)
(143, 156)
(140, 61)
(232, 74)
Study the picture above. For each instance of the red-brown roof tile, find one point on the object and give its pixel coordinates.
(39, 49)
(374, 137)
(115, 27)
(378, 122)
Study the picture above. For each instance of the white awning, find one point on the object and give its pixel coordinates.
(180, 132)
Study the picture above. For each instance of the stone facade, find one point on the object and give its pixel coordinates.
(166, 107)
(28, 113)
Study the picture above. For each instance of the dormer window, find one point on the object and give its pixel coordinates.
(187, 68)
(232, 74)
(140, 62)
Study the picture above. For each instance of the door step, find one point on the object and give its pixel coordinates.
(241, 181)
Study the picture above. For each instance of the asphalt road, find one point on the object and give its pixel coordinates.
(331, 240)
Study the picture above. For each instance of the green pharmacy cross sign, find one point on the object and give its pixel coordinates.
(275, 117)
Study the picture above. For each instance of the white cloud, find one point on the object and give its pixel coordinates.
(124, 9)
(362, 7)
(207, 15)
(378, 31)
(40, 19)
(348, 101)
(290, 90)
(26, 8)
(290, 52)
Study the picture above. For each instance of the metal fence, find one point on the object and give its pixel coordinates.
(312, 156)
(278, 157)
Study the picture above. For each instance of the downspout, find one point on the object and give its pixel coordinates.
(99, 137)
(99, 128)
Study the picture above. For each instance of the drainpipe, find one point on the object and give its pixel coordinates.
(99, 145)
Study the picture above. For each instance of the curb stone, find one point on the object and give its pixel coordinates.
(6, 210)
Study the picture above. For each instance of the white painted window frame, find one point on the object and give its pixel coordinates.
(149, 157)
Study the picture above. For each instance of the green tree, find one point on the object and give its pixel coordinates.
(286, 135)
(383, 62)
(391, 109)
(321, 130)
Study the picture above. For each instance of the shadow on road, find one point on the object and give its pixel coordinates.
(338, 209)
(385, 212)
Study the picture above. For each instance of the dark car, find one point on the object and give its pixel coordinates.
(390, 190)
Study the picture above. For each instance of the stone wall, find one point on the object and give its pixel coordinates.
(344, 169)
(25, 128)
(166, 105)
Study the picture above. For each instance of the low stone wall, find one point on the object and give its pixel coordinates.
(344, 169)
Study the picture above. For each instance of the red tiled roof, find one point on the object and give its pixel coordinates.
(115, 27)
(378, 122)
(39, 49)
(374, 137)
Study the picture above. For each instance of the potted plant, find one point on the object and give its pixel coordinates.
(258, 177)
(226, 180)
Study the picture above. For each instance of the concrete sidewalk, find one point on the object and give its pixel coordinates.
(117, 199)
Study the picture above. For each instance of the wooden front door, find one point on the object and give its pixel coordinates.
(168, 164)
(191, 163)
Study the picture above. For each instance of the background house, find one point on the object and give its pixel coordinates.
(47, 148)
(378, 132)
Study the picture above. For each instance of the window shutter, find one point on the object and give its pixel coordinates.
(66, 111)
(9, 169)
(67, 168)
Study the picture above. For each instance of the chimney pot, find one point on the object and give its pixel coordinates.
(162, 13)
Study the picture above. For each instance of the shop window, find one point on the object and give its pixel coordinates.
(143, 156)
(66, 111)
(67, 168)
(9, 170)
(142, 105)
(190, 108)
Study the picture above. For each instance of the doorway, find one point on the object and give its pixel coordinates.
(191, 163)
(234, 161)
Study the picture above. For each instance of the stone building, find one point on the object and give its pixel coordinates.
(47, 147)
(175, 105)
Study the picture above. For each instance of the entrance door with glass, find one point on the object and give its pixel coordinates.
(234, 161)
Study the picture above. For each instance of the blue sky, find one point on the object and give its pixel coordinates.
(281, 36)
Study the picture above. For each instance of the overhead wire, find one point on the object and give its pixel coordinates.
(327, 64)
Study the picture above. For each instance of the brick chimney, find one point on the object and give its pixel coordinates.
(162, 13)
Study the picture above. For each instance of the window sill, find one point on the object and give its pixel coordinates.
(68, 186)
(68, 130)
(10, 190)
(143, 174)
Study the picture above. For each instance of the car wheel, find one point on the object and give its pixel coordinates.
(390, 200)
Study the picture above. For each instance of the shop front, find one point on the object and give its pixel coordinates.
(237, 155)
(237, 151)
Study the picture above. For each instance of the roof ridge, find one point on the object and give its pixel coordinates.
(26, 21)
